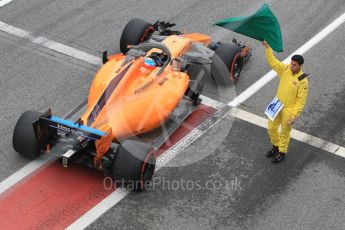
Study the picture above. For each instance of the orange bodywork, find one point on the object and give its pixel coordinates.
(128, 100)
(202, 38)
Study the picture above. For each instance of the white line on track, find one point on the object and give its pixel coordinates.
(100, 208)
(52, 45)
(116, 196)
(4, 2)
(33, 165)
(24, 172)
(295, 134)
(271, 74)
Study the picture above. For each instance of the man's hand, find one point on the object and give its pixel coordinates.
(292, 120)
(264, 43)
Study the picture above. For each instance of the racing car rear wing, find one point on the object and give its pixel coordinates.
(67, 126)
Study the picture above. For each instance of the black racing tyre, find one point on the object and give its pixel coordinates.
(24, 139)
(227, 63)
(135, 32)
(134, 165)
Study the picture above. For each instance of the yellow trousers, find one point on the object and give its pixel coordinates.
(282, 138)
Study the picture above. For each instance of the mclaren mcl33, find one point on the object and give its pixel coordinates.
(156, 80)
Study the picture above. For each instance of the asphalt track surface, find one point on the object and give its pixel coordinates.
(305, 191)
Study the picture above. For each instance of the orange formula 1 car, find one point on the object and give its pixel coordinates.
(155, 81)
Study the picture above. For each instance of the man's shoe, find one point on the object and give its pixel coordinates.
(278, 157)
(272, 152)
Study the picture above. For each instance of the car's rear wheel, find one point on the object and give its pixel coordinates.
(24, 140)
(134, 165)
(229, 68)
(135, 32)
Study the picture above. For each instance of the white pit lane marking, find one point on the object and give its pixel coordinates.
(295, 134)
(35, 164)
(87, 219)
(25, 171)
(4, 2)
(49, 44)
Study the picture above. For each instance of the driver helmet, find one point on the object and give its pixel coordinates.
(149, 62)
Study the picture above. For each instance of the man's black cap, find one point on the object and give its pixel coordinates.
(298, 58)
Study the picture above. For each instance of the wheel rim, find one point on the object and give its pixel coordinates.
(235, 68)
(148, 172)
(148, 31)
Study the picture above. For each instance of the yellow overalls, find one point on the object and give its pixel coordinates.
(293, 94)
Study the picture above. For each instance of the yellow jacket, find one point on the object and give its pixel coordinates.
(291, 92)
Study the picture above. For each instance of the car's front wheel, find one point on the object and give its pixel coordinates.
(135, 32)
(227, 63)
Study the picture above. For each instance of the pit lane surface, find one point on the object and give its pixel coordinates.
(261, 195)
(56, 197)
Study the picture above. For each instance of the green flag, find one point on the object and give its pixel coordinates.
(263, 25)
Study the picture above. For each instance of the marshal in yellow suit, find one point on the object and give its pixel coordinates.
(292, 92)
